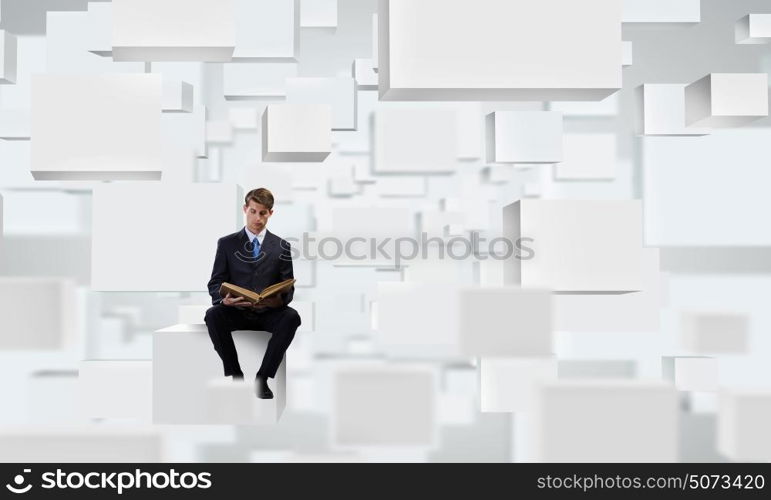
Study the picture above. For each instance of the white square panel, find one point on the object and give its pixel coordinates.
(468, 50)
(96, 127)
(140, 243)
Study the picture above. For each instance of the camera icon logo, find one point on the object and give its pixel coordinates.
(18, 483)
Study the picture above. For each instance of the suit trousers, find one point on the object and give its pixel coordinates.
(281, 322)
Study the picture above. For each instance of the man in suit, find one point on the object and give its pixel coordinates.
(252, 258)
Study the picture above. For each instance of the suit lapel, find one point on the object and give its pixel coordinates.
(266, 249)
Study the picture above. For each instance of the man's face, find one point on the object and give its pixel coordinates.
(256, 216)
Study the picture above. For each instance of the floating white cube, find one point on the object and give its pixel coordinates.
(675, 12)
(105, 127)
(596, 369)
(628, 55)
(677, 215)
(8, 53)
(296, 132)
(626, 312)
(81, 443)
(726, 99)
(339, 93)
(524, 137)
(661, 110)
(100, 28)
(165, 252)
(442, 320)
(574, 245)
(415, 140)
(605, 421)
(365, 75)
(266, 28)
(15, 124)
(715, 332)
(505, 321)
(22, 327)
(509, 385)
(318, 14)
(754, 29)
(691, 373)
(177, 96)
(588, 157)
(384, 406)
(173, 30)
(121, 389)
(185, 388)
(742, 431)
(415, 320)
(464, 50)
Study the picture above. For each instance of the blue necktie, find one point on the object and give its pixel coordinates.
(256, 248)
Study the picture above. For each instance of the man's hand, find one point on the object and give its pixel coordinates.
(272, 301)
(236, 301)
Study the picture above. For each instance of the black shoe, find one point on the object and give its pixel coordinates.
(261, 387)
(237, 376)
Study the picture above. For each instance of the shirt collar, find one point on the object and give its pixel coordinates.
(251, 235)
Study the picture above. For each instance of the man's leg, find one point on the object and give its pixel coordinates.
(282, 323)
(222, 321)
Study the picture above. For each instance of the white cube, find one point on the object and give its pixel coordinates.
(574, 245)
(726, 99)
(339, 93)
(186, 387)
(165, 252)
(121, 389)
(671, 12)
(296, 132)
(81, 443)
(742, 431)
(384, 406)
(364, 74)
(173, 30)
(318, 14)
(8, 53)
(100, 28)
(415, 140)
(661, 110)
(691, 373)
(524, 137)
(615, 313)
(469, 50)
(15, 124)
(754, 29)
(715, 332)
(22, 327)
(505, 321)
(605, 421)
(105, 127)
(509, 385)
(177, 96)
(267, 28)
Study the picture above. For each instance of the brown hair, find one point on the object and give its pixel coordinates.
(261, 196)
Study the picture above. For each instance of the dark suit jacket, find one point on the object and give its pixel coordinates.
(235, 264)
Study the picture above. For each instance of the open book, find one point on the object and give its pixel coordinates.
(252, 296)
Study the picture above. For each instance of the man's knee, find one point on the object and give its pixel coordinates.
(215, 313)
(292, 317)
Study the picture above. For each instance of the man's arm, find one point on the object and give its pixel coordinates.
(219, 274)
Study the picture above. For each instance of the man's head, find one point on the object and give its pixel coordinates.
(258, 207)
